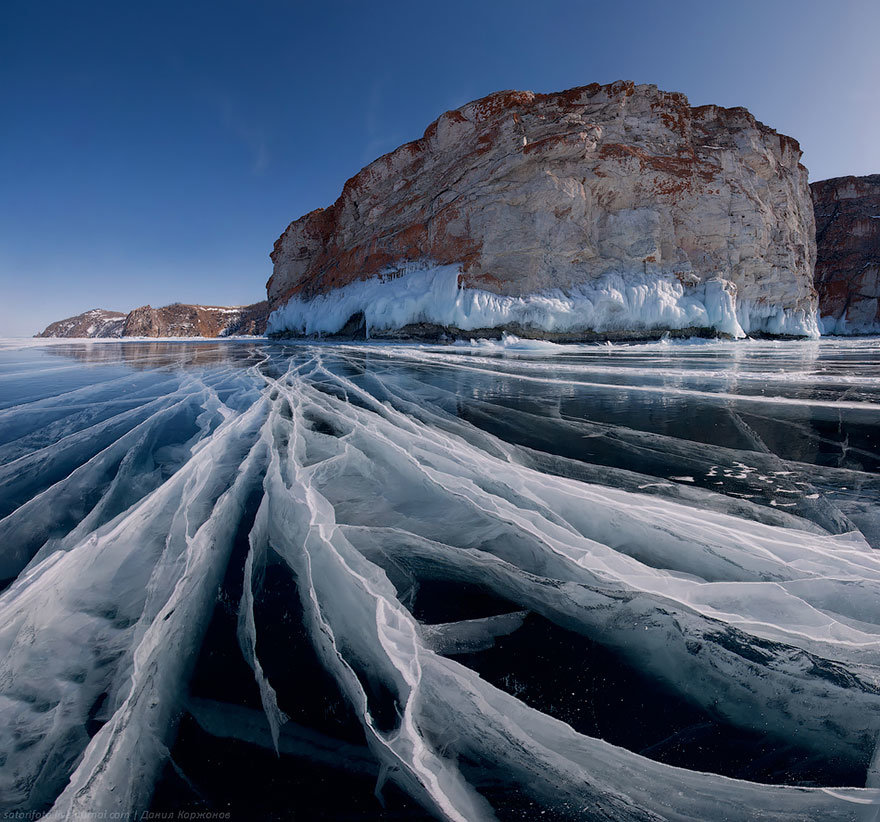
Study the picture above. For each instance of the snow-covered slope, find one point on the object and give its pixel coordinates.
(94, 323)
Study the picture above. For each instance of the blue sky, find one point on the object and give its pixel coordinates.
(153, 152)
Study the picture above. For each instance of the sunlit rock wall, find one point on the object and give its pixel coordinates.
(532, 194)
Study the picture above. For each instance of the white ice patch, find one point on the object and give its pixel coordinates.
(512, 343)
(773, 319)
(613, 302)
(844, 326)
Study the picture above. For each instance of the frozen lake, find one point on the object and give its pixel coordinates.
(501, 580)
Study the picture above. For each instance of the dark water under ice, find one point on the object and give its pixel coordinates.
(501, 580)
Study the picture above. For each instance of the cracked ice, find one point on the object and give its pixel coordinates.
(484, 581)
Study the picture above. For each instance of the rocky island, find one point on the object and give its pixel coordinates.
(615, 210)
(177, 320)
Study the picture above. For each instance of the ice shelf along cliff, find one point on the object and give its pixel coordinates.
(616, 210)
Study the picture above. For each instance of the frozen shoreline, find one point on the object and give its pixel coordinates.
(614, 305)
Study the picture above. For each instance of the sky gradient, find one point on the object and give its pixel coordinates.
(153, 152)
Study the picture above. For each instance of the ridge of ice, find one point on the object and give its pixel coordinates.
(613, 302)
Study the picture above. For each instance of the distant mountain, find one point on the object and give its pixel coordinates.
(177, 320)
(180, 320)
(94, 323)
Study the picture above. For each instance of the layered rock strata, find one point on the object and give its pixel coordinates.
(848, 261)
(602, 209)
(177, 320)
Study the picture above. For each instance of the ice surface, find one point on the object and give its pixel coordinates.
(137, 481)
(470, 635)
(613, 302)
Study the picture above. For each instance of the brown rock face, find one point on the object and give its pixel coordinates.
(176, 320)
(848, 260)
(251, 320)
(179, 320)
(526, 193)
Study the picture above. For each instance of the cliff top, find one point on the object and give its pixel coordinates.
(520, 102)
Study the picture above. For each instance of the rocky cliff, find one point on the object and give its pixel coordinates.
(616, 208)
(848, 262)
(176, 320)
